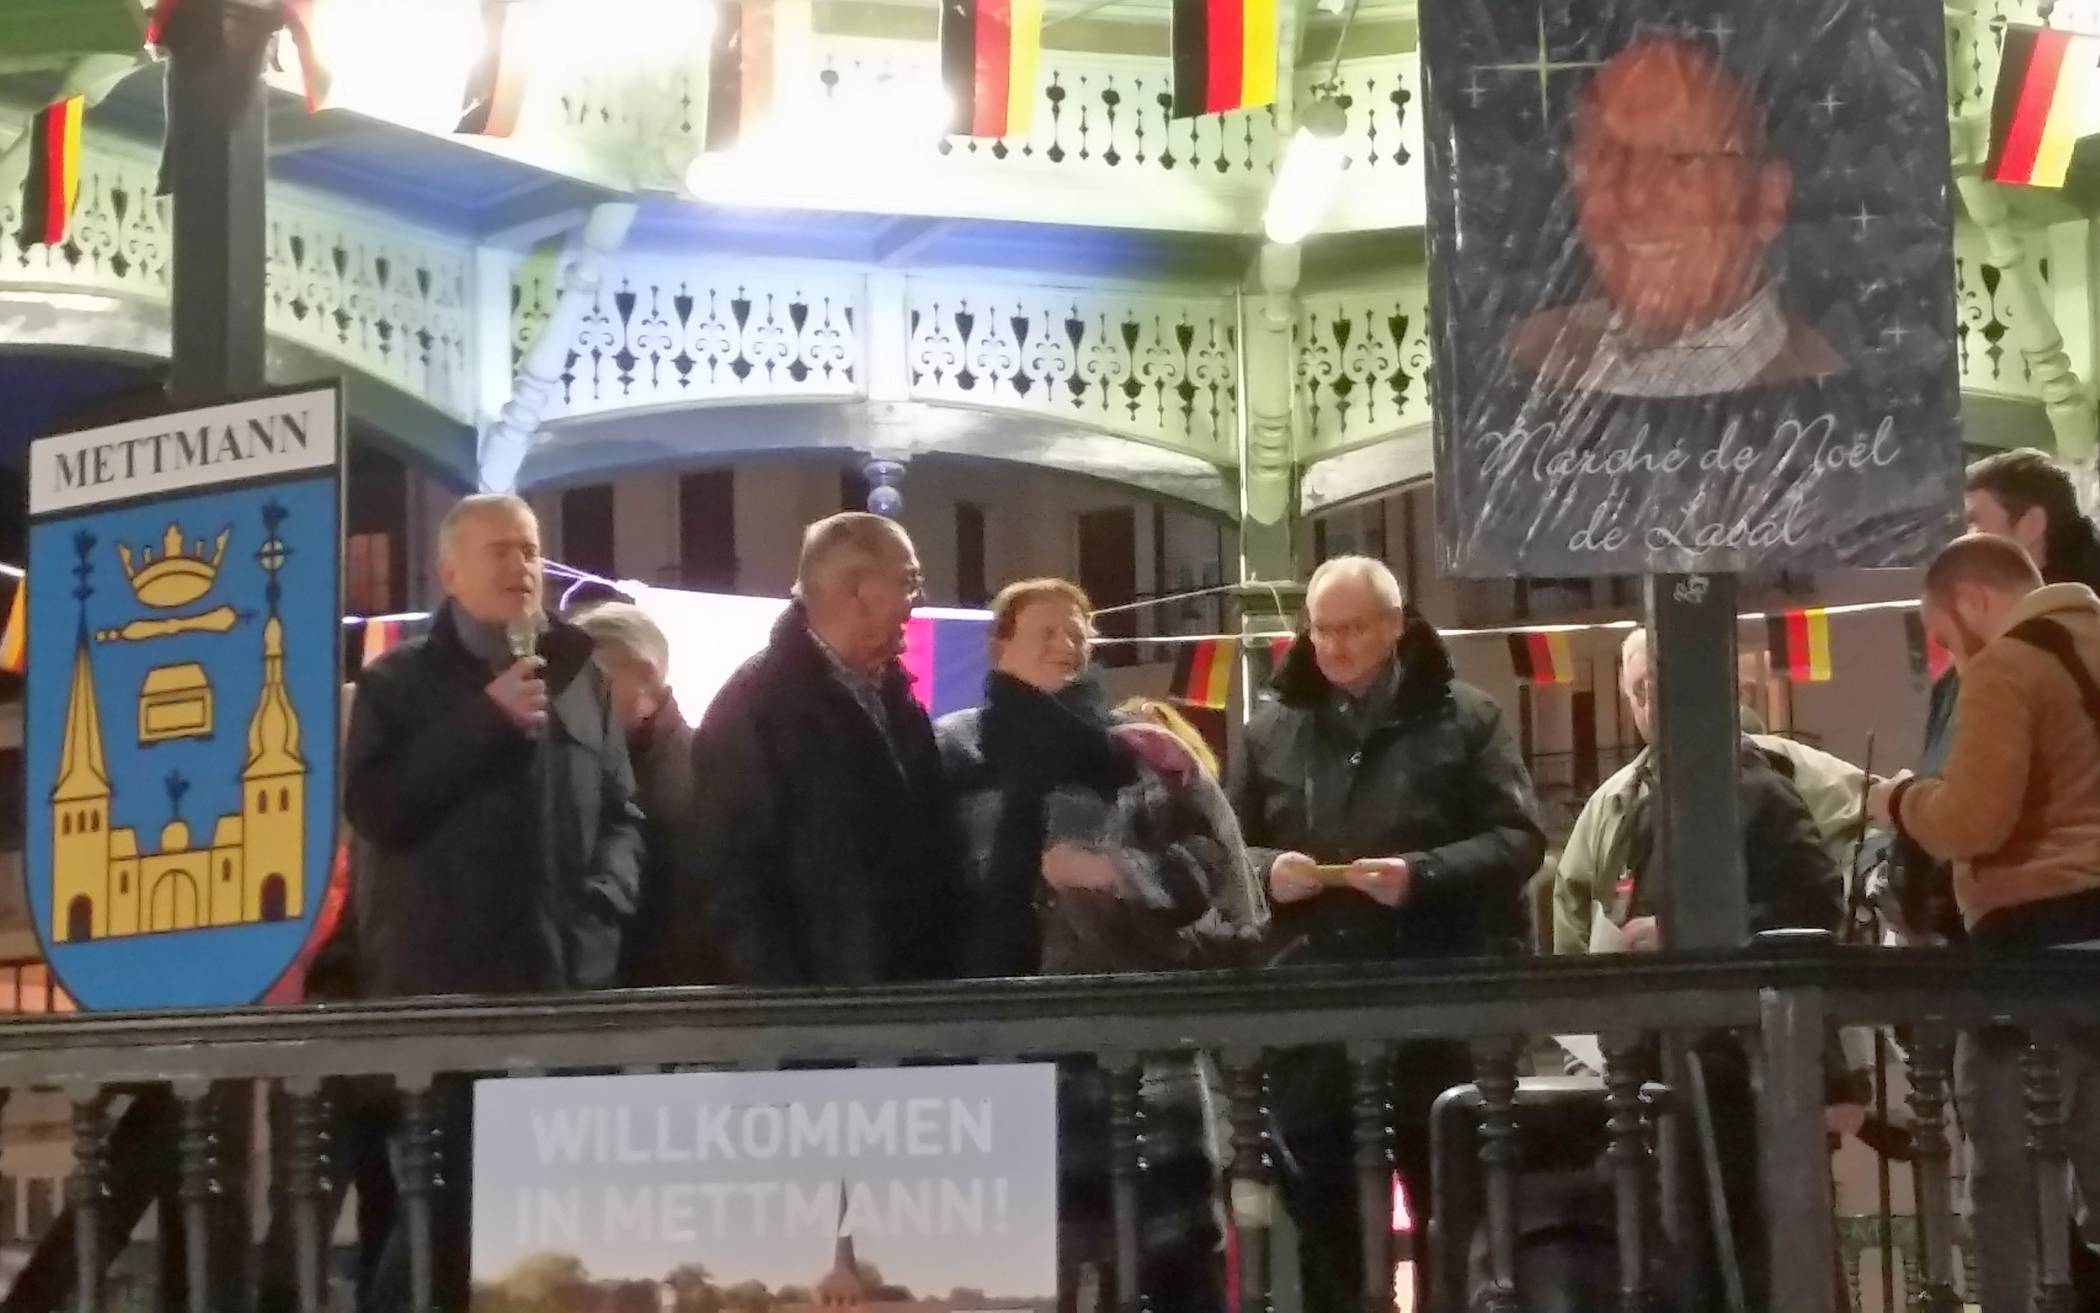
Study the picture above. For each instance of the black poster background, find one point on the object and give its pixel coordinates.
(1541, 473)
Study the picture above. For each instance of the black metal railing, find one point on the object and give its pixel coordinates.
(1781, 1005)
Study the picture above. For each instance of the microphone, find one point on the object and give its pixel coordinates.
(522, 636)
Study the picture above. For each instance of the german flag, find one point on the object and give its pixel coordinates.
(1224, 55)
(14, 642)
(1800, 646)
(989, 50)
(1203, 672)
(739, 71)
(495, 90)
(1541, 658)
(2048, 97)
(53, 182)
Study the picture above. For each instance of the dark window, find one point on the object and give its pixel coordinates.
(80, 919)
(587, 529)
(368, 574)
(375, 527)
(40, 1207)
(970, 589)
(1108, 572)
(853, 489)
(707, 530)
(273, 898)
(262, 801)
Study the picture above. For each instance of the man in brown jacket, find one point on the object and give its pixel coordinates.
(2016, 808)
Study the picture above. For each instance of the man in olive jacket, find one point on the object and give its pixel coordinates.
(1369, 752)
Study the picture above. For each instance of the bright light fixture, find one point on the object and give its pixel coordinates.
(1310, 176)
(865, 136)
(405, 61)
(595, 35)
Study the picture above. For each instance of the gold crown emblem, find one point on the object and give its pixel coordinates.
(177, 578)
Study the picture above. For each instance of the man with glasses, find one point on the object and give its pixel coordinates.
(1388, 808)
(1677, 200)
(823, 847)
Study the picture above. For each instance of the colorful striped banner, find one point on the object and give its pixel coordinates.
(53, 181)
(495, 90)
(2046, 100)
(14, 644)
(1800, 646)
(989, 52)
(1203, 672)
(1541, 658)
(1224, 55)
(739, 71)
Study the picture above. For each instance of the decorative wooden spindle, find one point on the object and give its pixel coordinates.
(2052, 1174)
(1931, 1059)
(1630, 1163)
(305, 1171)
(1125, 1084)
(197, 1154)
(419, 1182)
(1371, 1080)
(1253, 1195)
(1495, 1067)
(87, 1190)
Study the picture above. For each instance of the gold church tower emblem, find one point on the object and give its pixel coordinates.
(245, 867)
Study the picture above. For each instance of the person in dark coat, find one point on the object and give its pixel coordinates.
(1367, 753)
(636, 658)
(1094, 842)
(822, 849)
(499, 844)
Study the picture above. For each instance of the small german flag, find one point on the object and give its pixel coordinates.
(1203, 672)
(495, 90)
(2048, 97)
(739, 71)
(53, 182)
(989, 50)
(1800, 646)
(1224, 55)
(14, 642)
(1541, 658)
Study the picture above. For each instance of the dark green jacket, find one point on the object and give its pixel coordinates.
(1437, 780)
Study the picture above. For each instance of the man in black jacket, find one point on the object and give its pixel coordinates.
(501, 844)
(636, 658)
(1368, 752)
(822, 849)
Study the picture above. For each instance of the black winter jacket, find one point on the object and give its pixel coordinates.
(662, 753)
(821, 855)
(453, 891)
(1439, 782)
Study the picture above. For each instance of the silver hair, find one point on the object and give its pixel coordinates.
(480, 503)
(838, 550)
(624, 631)
(1367, 570)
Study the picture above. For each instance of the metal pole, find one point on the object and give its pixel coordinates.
(216, 169)
(1691, 645)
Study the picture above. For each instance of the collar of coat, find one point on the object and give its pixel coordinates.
(795, 652)
(1424, 661)
(566, 648)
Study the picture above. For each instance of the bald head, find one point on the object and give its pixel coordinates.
(858, 579)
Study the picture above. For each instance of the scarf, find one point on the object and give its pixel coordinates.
(489, 643)
(1036, 743)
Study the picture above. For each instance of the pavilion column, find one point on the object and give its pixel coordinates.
(509, 438)
(1271, 421)
(2066, 400)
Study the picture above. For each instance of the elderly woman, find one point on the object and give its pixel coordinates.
(1094, 842)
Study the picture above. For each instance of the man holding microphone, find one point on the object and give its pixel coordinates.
(490, 784)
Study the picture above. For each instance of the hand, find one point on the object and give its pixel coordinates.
(1643, 935)
(1880, 794)
(521, 693)
(1386, 879)
(1067, 867)
(1294, 877)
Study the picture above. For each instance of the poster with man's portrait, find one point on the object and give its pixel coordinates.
(1692, 283)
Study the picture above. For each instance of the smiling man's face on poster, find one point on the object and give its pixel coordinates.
(1684, 264)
